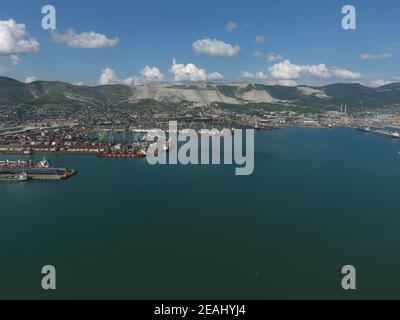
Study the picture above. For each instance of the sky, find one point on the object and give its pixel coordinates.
(287, 42)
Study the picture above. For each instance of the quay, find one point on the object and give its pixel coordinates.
(28, 170)
(382, 132)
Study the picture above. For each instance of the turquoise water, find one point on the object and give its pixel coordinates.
(319, 199)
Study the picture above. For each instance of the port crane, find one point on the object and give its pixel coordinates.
(101, 135)
(111, 135)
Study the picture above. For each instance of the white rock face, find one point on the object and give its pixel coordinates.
(258, 96)
(313, 92)
(201, 93)
(172, 94)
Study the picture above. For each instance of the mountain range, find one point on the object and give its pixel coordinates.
(54, 93)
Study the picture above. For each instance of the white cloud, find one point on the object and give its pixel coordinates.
(231, 26)
(286, 73)
(147, 75)
(15, 39)
(375, 57)
(260, 39)
(379, 82)
(286, 70)
(383, 82)
(245, 75)
(78, 83)
(85, 40)
(179, 72)
(108, 76)
(30, 79)
(345, 74)
(270, 57)
(191, 72)
(274, 57)
(213, 47)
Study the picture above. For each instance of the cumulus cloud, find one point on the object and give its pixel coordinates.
(179, 73)
(78, 83)
(260, 39)
(84, 40)
(231, 26)
(15, 39)
(147, 75)
(30, 79)
(213, 47)
(286, 70)
(287, 73)
(191, 72)
(108, 76)
(375, 57)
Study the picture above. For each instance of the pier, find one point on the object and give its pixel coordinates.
(382, 132)
(28, 170)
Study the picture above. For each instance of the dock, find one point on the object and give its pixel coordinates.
(382, 132)
(29, 170)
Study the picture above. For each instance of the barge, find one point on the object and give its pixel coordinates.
(29, 170)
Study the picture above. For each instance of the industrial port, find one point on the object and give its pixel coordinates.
(122, 137)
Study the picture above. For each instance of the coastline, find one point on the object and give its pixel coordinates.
(101, 150)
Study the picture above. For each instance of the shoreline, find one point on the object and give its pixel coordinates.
(99, 152)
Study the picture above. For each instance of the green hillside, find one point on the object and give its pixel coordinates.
(60, 94)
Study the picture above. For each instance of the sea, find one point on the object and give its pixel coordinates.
(319, 200)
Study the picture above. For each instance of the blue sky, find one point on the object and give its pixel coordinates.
(304, 41)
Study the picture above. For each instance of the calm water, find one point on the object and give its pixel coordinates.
(319, 200)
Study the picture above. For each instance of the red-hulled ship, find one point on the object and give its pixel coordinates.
(140, 153)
